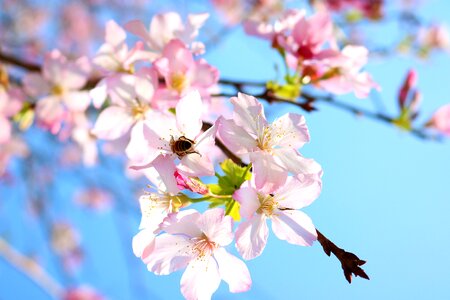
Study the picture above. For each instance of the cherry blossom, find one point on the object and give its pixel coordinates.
(165, 27)
(178, 136)
(131, 100)
(281, 206)
(271, 147)
(440, 120)
(116, 59)
(196, 242)
(157, 205)
(182, 74)
(59, 88)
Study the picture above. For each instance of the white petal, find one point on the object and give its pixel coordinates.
(142, 240)
(183, 222)
(249, 114)
(112, 123)
(200, 280)
(251, 237)
(233, 271)
(235, 137)
(217, 227)
(297, 193)
(196, 165)
(188, 113)
(269, 175)
(295, 227)
(290, 131)
(170, 253)
(295, 163)
(248, 199)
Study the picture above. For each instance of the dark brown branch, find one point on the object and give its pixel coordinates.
(351, 264)
(11, 60)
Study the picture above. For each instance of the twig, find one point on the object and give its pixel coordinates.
(31, 269)
(351, 264)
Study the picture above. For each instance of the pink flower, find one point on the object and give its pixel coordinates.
(435, 36)
(157, 205)
(196, 242)
(280, 27)
(131, 100)
(11, 100)
(340, 72)
(281, 206)
(271, 147)
(180, 137)
(440, 120)
(182, 74)
(115, 58)
(82, 293)
(59, 88)
(168, 26)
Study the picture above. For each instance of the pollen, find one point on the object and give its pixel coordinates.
(268, 205)
(178, 82)
(138, 110)
(57, 90)
(203, 246)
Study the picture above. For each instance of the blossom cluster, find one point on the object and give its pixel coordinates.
(156, 101)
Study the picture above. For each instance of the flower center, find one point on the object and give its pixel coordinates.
(138, 111)
(178, 82)
(203, 246)
(57, 90)
(268, 204)
(264, 141)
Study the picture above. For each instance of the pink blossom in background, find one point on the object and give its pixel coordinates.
(58, 89)
(132, 98)
(440, 120)
(272, 148)
(115, 60)
(82, 293)
(196, 242)
(94, 198)
(340, 72)
(168, 26)
(435, 36)
(182, 74)
(281, 206)
(11, 100)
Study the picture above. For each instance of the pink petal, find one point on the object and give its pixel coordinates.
(297, 193)
(166, 168)
(248, 199)
(235, 137)
(251, 237)
(269, 175)
(144, 239)
(115, 35)
(162, 29)
(143, 146)
(205, 75)
(5, 130)
(188, 113)
(112, 123)
(217, 227)
(196, 165)
(77, 101)
(295, 163)
(138, 28)
(35, 85)
(183, 222)
(233, 271)
(99, 94)
(201, 279)
(292, 130)
(249, 114)
(295, 227)
(169, 254)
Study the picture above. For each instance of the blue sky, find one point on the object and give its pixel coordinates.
(385, 197)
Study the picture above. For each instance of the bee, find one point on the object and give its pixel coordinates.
(182, 146)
